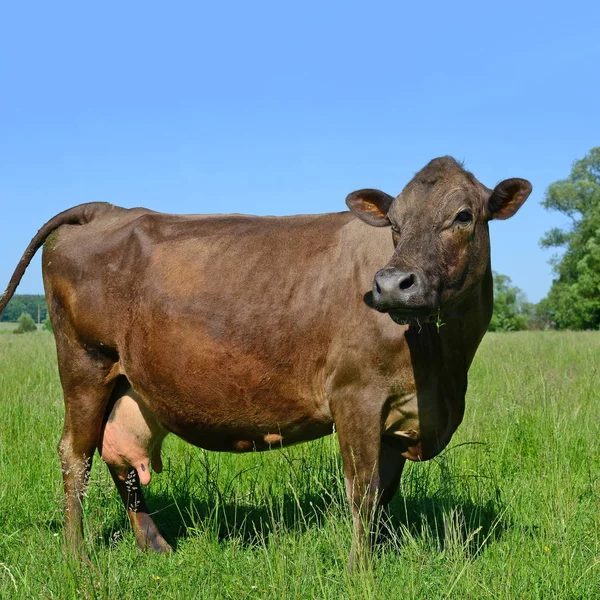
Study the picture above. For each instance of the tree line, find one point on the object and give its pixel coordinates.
(32, 304)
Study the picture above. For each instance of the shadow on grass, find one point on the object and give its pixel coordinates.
(441, 519)
(185, 515)
(442, 504)
(445, 520)
(447, 506)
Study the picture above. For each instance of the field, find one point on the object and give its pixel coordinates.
(7, 327)
(510, 510)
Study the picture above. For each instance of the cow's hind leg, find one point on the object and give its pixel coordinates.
(87, 385)
(146, 533)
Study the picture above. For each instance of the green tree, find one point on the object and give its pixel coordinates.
(26, 324)
(510, 306)
(574, 298)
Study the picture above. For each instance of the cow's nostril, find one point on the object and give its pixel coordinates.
(407, 282)
(377, 288)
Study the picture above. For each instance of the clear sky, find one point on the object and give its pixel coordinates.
(286, 107)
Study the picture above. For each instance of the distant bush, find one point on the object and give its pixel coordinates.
(47, 326)
(510, 306)
(26, 324)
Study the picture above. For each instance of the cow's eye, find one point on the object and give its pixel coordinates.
(464, 216)
(395, 229)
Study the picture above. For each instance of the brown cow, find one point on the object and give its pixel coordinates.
(241, 333)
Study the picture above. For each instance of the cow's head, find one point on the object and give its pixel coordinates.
(440, 232)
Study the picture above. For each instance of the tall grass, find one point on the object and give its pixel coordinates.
(510, 510)
(6, 327)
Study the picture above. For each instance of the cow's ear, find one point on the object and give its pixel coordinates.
(507, 197)
(371, 206)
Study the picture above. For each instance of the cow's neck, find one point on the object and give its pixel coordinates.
(458, 339)
(460, 336)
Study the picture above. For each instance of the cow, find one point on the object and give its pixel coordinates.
(240, 333)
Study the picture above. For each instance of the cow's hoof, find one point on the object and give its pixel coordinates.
(161, 546)
(155, 543)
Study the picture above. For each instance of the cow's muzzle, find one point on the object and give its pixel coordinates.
(405, 296)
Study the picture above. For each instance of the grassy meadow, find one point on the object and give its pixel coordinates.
(510, 510)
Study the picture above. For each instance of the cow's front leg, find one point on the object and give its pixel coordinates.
(391, 465)
(360, 444)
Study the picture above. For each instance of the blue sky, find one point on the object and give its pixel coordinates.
(283, 108)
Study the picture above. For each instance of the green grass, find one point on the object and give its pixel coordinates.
(7, 327)
(511, 510)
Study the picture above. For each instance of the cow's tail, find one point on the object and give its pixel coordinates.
(78, 215)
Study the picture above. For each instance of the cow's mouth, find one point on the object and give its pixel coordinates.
(412, 317)
(404, 315)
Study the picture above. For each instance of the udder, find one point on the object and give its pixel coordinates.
(132, 437)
